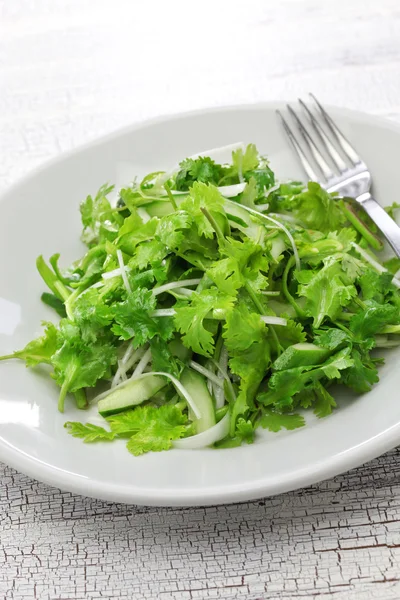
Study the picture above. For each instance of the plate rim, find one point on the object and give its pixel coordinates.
(319, 471)
(141, 124)
(68, 482)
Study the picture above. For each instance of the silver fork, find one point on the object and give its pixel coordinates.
(345, 173)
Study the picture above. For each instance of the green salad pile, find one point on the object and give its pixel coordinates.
(212, 301)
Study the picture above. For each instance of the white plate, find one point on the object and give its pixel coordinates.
(40, 215)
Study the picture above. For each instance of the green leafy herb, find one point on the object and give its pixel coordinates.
(150, 429)
(317, 209)
(89, 433)
(326, 292)
(202, 169)
(40, 350)
(190, 319)
(274, 421)
(257, 315)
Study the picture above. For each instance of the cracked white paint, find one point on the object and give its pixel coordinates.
(339, 539)
(73, 69)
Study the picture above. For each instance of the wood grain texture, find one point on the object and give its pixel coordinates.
(73, 69)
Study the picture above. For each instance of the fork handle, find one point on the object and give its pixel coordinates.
(382, 220)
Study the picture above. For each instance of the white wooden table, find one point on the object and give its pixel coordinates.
(73, 69)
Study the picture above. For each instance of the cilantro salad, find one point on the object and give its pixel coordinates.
(212, 301)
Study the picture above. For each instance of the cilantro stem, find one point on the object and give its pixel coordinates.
(80, 398)
(361, 227)
(253, 296)
(54, 302)
(213, 223)
(346, 316)
(221, 412)
(290, 264)
(359, 303)
(51, 280)
(260, 309)
(255, 416)
(53, 260)
(69, 376)
(61, 398)
(70, 301)
(218, 347)
(170, 196)
(181, 404)
(343, 328)
(278, 346)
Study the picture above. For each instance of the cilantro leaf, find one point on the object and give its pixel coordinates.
(283, 385)
(189, 319)
(317, 209)
(332, 338)
(202, 169)
(162, 358)
(244, 264)
(291, 333)
(89, 433)
(250, 194)
(148, 253)
(99, 219)
(325, 291)
(132, 224)
(274, 421)
(375, 286)
(225, 273)
(170, 229)
(91, 207)
(193, 242)
(40, 350)
(204, 196)
(242, 329)
(370, 321)
(151, 429)
(264, 178)
(242, 162)
(313, 249)
(244, 433)
(91, 314)
(246, 340)
(132, 318)
(140, 232)
(362, 375)
(148, 428)
(78, 364)
(324, 402)
(84, 366)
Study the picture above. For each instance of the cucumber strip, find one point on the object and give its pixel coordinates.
(163, 207)
(300, 355)
(196, 386)
(159, 208)
(129, 394)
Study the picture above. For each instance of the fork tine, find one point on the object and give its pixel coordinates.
(319, 159)
(298, 149)
(330, 149)
(343, 142)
